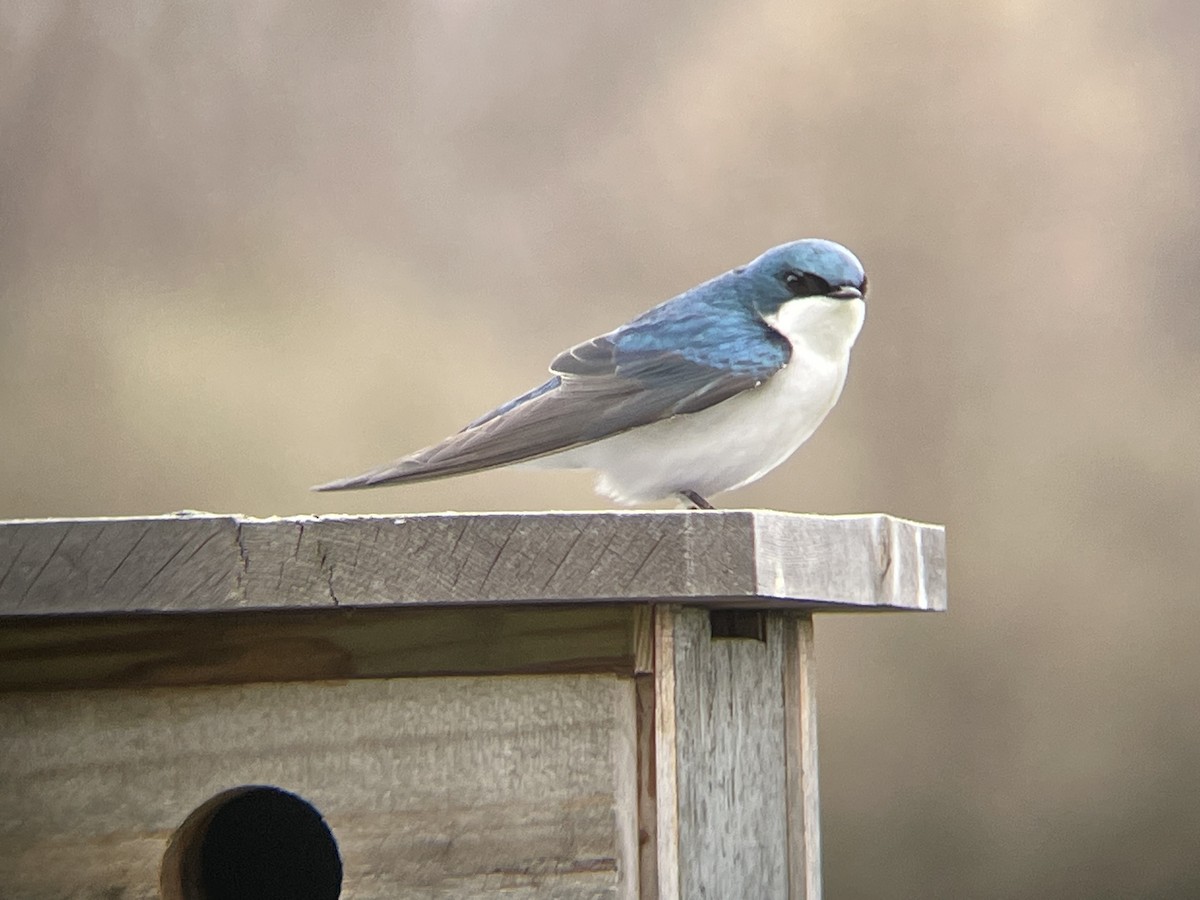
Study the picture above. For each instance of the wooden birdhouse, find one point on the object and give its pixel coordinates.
(566, 705)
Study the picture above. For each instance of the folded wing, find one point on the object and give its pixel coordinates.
(602, 387)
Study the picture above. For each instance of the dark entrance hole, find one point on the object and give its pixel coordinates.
(738, 623)
(255, 842)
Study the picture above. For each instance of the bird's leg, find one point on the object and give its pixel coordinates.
(696, 501)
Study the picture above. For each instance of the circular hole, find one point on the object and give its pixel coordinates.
(255, 842)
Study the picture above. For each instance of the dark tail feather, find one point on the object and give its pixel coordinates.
(452, 456)
(471, 450)
(409, 469)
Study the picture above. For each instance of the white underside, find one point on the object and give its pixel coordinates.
(741, 439)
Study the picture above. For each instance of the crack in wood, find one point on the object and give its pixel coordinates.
(91, 540)
(645, 560)
(462, 561)
(458, 538)
(884, 536)
(129, 553)
(329, 579)
(243, 553)
(204, 543)
(612, 537)
(544, 867)
(12, 565)
(239, 585)
(327, 567)
(500, 551)
(579, 533)
(53, 553)
(170, 559)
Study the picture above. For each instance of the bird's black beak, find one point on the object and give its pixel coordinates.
(846, 292)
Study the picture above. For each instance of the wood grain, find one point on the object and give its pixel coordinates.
(206, 563)
(666, 752)
(269, 651)
(647, 772)
(140, 650)
(800, 722)
(731, 761)
(433, 787)
(868, 561)
(626, 787)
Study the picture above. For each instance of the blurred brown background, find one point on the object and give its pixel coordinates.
(250, 246)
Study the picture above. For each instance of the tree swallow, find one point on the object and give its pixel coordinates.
(706, 392)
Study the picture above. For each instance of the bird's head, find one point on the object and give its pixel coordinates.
(813, 290)
(808, 268)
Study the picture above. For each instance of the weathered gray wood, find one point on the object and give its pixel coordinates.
(647, 745)
(873, 561)
(666, 752)
(205, 563)
(736, 756)
(688, 770)
(433, 787)
(626, 788)
(800, 712)
(731, 759)
(141, 650)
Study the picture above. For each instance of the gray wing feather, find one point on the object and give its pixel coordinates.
(597, 391)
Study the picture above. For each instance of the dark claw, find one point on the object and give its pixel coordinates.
(696, 500)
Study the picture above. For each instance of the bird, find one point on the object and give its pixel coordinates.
(703, 393)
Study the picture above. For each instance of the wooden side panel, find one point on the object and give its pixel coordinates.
(435, 787)
(155, 650)
(800, 711)
(731, 757)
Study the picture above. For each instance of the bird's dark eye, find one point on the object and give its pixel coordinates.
(806, 284)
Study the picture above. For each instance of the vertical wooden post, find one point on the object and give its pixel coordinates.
(800, 711)
(666, 756)
(736, 759)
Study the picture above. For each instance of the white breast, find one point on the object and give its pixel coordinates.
(740, 439)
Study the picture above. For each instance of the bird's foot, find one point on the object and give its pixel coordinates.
(695, 500)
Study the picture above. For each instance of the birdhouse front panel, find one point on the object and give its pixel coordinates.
(429, 787)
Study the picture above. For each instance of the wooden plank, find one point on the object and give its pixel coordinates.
(289, 645)
(206, 563)
(666, 752)
(626, 799)
(647, 769)
(643, 639)
(433, 787)
(731, 761)
(872, 561)
(800, 718)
